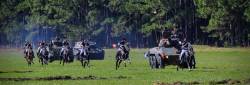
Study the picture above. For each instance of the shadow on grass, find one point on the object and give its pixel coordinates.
(16, 71)
(90, 77)
(226, 81)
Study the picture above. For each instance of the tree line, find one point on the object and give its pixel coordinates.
(206, 22)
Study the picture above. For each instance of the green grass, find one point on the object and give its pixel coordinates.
(213, 64)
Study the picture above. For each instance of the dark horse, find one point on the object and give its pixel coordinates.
(84, 57)
(121, 55)
(187, 60)
(65, 53)
(43, 54)
(29, 55)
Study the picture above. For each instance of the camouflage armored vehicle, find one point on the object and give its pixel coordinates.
(155, 59)
(55, 49)
(95, 53)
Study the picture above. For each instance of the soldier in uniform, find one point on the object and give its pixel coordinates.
(27, 46)
(124, 45)
(184, 48)
(65, 46)
(164, 42)
(84, 46)
(175, 40)
(42, 45)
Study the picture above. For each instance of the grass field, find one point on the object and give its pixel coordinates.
(214, 66)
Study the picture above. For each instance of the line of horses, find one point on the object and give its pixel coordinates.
(48, 53)
(44, 55)
(65, 54)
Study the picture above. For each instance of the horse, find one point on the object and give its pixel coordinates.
(65, 55)
(122, 55)
(83, 57)
(187, 59)
(29, 55)
(43, 54)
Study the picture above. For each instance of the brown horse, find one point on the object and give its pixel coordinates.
(29, 55)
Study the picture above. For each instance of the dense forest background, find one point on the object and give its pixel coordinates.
(206, 22)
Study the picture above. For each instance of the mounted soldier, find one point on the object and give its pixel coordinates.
(29, 54)
(84, 47)
(124, 46)
(186, 57)
(28, 46)
(65, 52)
(163, 44)
(42, 45)
(43, 52)
(184, 48)
(122, 53)
(175, 40)
(65, 46)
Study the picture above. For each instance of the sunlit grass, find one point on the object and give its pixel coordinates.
(212, 64)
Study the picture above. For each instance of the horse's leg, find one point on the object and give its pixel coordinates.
(125, 63)
(193, 61)
(60, 58)
(117, 64)
(187, 59)
(46, 60)
(29, 63)
(177, 67)
(38, 58)
(177, 64)
(188, 65)
(85, 63)
(27, 60)
(64, 60)
(88, 60)
(41, 60)
(149, 61)
(32, 61)
(153, 60)
(124, 60)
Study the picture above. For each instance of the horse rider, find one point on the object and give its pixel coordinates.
(184, 48)
(42, 45)
(66, 43)
(28, 46)
(84, 46)
(164, 42)
(85, 43)
(175, 40)
(123, 44)
(65, 46)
